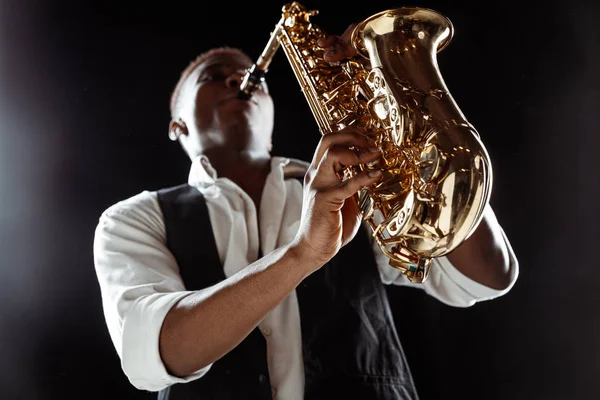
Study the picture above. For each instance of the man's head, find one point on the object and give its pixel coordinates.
(206, 113)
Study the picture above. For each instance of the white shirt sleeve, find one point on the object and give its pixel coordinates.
(139, 282)
(445, 282)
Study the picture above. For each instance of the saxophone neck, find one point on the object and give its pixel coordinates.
(255, 75)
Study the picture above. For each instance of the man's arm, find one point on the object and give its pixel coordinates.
(156, 324)
(468, 280)
(163, 333)
(484, 257)
(206, 325)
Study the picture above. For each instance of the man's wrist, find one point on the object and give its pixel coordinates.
(303, 257)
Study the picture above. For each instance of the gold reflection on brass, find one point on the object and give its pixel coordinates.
(437, 174)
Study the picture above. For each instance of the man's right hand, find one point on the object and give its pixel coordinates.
(330, 213)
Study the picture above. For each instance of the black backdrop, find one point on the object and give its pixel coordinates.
(84, 110)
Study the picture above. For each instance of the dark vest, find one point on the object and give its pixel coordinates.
(349, 342)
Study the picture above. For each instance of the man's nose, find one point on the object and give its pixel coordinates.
(234, 80)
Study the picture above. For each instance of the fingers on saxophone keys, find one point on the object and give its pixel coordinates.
(348, 136)
(346, 156)
(327, 40)
(336, 53)
(334, 49)
(365, 178)
(345, 143)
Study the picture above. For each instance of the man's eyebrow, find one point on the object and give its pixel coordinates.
(209, 69)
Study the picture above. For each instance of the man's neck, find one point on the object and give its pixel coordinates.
(248, 169)
(238, 165)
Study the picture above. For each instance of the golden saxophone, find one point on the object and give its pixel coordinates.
(437, 175)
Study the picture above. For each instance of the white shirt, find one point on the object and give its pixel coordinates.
(139, 277)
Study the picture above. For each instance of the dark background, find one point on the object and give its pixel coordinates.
(84, 114)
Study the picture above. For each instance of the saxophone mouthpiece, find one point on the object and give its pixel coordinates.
(252, 80)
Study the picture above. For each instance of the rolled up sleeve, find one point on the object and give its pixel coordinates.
(139, 281)
(446, 283)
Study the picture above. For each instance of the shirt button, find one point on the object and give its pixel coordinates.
(266, 332)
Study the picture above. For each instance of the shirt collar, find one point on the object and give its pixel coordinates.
(203, 174)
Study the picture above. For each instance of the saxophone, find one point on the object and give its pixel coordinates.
(437, 175)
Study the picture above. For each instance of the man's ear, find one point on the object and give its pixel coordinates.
(177, 128)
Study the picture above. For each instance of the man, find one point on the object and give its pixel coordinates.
(246, 283)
